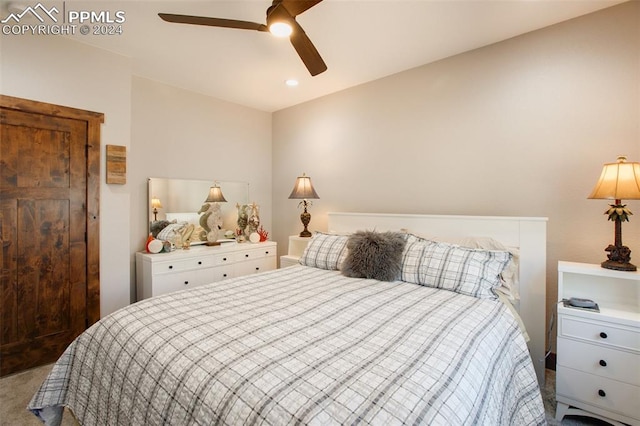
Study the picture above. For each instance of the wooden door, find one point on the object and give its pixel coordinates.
(47, 263)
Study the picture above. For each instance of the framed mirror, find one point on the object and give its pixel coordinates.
(181, 199)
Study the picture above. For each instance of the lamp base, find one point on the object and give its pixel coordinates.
(618, 266)
(619, 257)
(305, 217)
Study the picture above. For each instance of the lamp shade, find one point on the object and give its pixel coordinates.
(215, 195)
(619, 180)
(155, 203)
(303, 189)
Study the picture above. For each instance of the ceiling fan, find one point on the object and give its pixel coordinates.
(280, 18)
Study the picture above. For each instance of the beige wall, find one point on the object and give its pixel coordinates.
(180, 134)
(168, 132)
(519, 128)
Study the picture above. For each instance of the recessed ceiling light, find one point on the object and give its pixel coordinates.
(291, 82)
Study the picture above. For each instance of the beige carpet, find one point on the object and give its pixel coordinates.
(16, 391)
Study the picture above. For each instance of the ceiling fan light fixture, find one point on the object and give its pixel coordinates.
(280, 29)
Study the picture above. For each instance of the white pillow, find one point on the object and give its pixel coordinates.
(464, 270)
(510, 281)
(325, 251)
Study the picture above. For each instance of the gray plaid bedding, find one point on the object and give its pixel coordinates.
(299, 346)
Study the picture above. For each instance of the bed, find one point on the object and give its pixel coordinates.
(309, 345)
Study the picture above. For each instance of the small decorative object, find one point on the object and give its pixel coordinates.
(617, 181)
(240, 237)
(303, 190)
(229, 234)
(116, 164)
(263, 234)
(155, 246)
(155, 204)
(243, 218)
(254, 219)
(167, 246)
(254, 237)
(211, 220)
(186, 236)
(146, 244)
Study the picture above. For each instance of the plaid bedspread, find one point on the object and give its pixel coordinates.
(299, 346)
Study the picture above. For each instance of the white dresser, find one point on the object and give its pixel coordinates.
(598, 353)
(166, 272)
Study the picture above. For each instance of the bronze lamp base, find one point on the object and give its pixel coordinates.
(619, 257)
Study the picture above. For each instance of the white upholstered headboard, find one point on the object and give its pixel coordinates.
(528, 234)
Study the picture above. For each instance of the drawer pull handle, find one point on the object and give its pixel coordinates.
(199, 262)
(170, 266)
(257, 268)
(602, 393)
(603, 335)
(224, 275)
(186, 282)
(224, 259)
(246, 255)
(266, 252)
(603, 363)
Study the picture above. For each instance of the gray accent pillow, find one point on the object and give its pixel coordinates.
(376, 255)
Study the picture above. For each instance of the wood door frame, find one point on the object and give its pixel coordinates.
(93, 121)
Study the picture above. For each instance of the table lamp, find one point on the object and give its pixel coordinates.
(617, 181)
(303, 190)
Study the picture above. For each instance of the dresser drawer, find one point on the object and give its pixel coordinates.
(601, 332)
(597, 391)
(166, 283)
(176, 265)
(599, 360)
(223, 272)
(223, 258)
(255, 253)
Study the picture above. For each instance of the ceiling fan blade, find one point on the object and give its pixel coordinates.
(306, 50)
(296, 7)
(212, 22)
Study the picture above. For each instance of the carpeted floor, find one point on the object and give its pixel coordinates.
(16, 391)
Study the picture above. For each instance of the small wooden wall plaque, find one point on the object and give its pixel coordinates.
(116, 164)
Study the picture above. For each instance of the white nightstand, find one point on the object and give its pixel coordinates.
(598, 353)
(296, 248)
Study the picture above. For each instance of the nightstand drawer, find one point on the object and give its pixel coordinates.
(599, 360)
(601, 332)
(597, 391)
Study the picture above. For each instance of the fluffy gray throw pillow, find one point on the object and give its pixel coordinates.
(376, 255)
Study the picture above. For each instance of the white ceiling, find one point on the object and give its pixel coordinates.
(359, 40)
